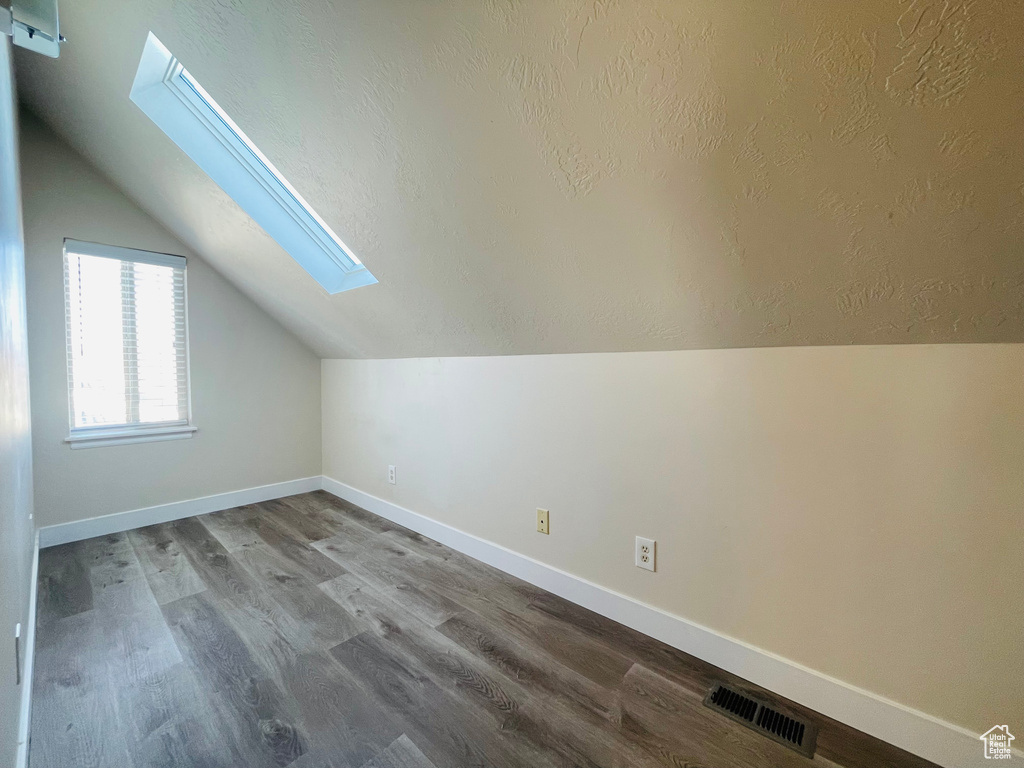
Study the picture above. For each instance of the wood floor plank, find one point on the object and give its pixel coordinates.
(344, 723)
(266, 530)
(425, 604)
(184, 741)
(224, 575)
(262, 724)
(448, 729)
(233, 528)
(74, 702)
(210, 559)
(411, 699)
(376, 566)
(101, 549)
(109, 571)
(349, 541)
(846, 746)
(317, 566)
(168, 722)
(167, 569)
(481, 594)
(420, 544)
(144, 644)
(317, 759)
(526, 729)
(327, 621)
(64, 585)
(602, 664)
(402, 753)
(308, 633)
(385, 562)
(538, 728)
(306, 526)
(533, 667)
(269, 568)
(488, 695)
(128, 648)
(270, 630)
(369, 520)
(320, 507)
(366, 604)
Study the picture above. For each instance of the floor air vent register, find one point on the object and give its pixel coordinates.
(790, 731)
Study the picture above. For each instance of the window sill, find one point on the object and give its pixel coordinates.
(128, 435)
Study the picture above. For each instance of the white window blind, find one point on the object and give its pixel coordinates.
(127, 341)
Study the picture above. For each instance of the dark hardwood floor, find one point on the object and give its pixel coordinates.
(306, 632)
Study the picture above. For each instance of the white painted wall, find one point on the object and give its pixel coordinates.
(856, 510)
(255, 387)
(15, 434)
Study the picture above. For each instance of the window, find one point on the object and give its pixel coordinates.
(127, 337)
(183, 110)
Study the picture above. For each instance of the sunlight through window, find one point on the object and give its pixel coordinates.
(127, 345)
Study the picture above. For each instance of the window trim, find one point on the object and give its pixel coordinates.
(146, 432)
(124, 435)
(120, 253)
(179, 106)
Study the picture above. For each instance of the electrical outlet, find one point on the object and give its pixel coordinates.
(392, 474)
(542, 521)
(645, 553)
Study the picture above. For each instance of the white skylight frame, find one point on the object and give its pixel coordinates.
(183, 110)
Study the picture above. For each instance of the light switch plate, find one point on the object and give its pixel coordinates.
(543, 520)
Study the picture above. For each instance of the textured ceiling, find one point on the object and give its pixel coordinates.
(555, 176)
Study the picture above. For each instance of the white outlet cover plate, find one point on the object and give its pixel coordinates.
(646, 552)
(392, 474)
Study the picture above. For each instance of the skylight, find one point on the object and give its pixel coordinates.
(183, 110)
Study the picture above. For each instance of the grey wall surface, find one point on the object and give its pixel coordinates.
(255, 387)
(862, 481)
(16, 534)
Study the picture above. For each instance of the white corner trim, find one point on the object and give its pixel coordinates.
(914, 731)
(29, 650)
(52, 535)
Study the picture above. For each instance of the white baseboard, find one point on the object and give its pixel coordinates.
(52, 535)
(29, 649)
(919, 733)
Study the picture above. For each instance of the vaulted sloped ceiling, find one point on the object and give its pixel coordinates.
(530, 176)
